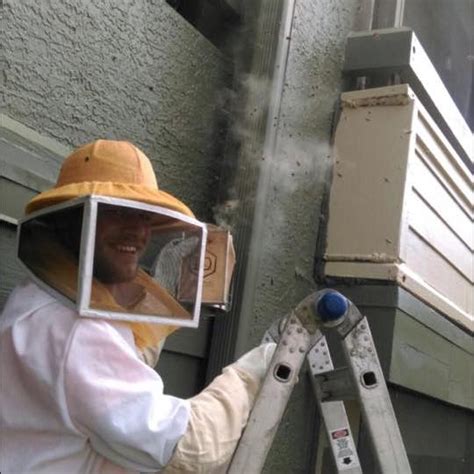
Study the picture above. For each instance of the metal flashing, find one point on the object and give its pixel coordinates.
(9, 125)
(24, 176)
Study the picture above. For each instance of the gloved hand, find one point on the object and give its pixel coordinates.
(256, 361)
(219, 414)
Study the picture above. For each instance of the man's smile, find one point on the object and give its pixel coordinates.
(132, 249)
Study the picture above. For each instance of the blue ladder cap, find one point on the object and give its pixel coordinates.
(331, 306)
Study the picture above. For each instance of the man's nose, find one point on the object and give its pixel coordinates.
(134, 223)
(137, 225)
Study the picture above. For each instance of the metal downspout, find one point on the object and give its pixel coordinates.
(266, 164)
(260, 124)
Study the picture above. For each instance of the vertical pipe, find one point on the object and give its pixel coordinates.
(399, 14)
(258, 120)
(282, 42)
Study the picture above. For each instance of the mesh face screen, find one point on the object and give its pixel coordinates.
(143, 257)
(136, 264)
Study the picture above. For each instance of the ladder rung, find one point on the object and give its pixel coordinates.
(336, 385)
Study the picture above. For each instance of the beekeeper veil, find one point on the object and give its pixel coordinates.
(107, 241)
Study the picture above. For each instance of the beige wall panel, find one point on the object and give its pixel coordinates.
(440, 237)
(369, 270)
(369, 181)
(442, 200)
(440, 274)
(414, 283)
(447, 161)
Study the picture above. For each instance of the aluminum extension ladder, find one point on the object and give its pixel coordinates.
(299, 338)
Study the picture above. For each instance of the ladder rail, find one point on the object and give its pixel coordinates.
(272, 399)
(375, 402)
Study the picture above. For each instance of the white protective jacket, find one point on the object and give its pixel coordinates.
(76, 398)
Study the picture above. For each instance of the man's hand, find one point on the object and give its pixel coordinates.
(257, 361)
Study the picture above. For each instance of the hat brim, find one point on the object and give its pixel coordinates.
(118, 190)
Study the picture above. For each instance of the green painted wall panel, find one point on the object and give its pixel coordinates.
(171, 368)
(13, 198)
(437, 437)
(419, 348)
(424, 361)
(10, 271)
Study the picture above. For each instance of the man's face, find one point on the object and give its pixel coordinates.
(121, 239)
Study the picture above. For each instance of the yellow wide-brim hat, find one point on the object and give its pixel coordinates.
(107, 168)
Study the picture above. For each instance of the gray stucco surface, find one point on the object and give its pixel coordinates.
(127, 69)
(299, 176)
(302, 162)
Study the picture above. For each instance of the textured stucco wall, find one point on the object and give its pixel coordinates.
(301, 164)
(127, 69)
(299, 175)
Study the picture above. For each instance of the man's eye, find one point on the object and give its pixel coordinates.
(126, 214)
(110, 212)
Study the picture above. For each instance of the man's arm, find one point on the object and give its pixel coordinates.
(117, 401)
(219, 414)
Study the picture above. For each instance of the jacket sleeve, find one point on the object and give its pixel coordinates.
(117, 401)
(219, 414)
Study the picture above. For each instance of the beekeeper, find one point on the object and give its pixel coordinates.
(80, 336)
